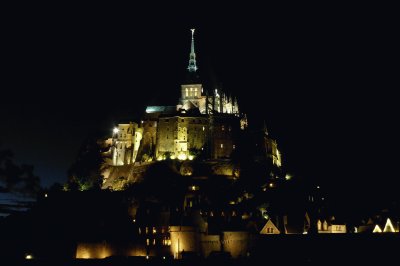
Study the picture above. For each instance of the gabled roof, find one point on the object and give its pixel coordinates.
(269, 224)
(378, 227)
(389, 228)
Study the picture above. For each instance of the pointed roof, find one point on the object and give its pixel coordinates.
(269, 224)
(389, 228)
(377, 229)
(192, 57)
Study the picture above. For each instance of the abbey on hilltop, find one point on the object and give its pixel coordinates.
(206, 123)
(199, 180)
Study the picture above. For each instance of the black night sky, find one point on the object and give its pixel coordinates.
(324, 78)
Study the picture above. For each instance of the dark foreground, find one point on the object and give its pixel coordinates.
(284, 250)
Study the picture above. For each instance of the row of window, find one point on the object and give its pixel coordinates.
(270, 230)
(164, 242)
(147, 231)
(191, 92)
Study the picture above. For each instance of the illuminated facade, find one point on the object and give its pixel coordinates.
(205, 122)
(331, 228)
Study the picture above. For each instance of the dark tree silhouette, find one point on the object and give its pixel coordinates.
(85, 172)
(15, 178)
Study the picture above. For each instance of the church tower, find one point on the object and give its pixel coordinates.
(191, 91)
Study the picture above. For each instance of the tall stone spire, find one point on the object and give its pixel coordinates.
(192, 58)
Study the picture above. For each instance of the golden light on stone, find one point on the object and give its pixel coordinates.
(182, 157)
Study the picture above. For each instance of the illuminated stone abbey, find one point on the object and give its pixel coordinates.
(205, 122)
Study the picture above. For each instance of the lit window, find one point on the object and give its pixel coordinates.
(222, 145)
(234, 146)
(140, 231)
(204, 128)
(222, 127)
(148, 242)
(154, 230)
(191, 89)
(147, 230)
(187, 92)
(154, 242)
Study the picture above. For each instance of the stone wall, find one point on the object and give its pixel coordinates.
(101, 250)
(183, 239)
